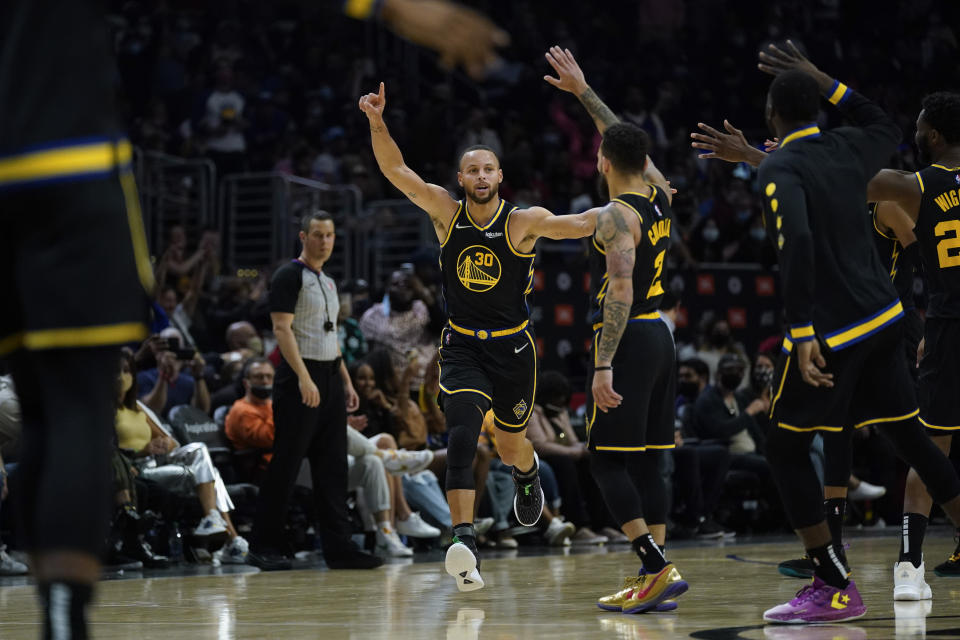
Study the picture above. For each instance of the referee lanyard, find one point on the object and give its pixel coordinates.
(326, 308)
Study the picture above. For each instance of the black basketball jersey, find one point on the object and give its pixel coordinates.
(898, 265)
(57, 74)
(938, 231)
(656, 219)
(485, 279)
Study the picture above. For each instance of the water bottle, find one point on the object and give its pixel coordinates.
(175, 543)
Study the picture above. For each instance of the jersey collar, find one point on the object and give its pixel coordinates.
(806, 131)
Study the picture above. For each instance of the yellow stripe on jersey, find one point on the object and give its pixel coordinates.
(864, 328)
(65, 162)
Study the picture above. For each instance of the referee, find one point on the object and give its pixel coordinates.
(311, 395)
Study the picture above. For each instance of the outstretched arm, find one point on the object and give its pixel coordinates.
(731, 146)
(570, 78)
(431, 198)
(537, 222)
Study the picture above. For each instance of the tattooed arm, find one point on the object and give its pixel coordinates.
(430, 197)
(570, 78)
(614, 232)
(618, 232)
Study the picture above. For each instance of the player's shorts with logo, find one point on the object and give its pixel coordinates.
(502, 369)
(939, 378)
(871, 385)
(645, 374)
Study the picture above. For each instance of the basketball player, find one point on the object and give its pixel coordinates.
(487, 351)
(836, 294)
(631, 345)
(930, 199)
(898, 250)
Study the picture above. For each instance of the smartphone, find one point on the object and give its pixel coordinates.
(184, 354)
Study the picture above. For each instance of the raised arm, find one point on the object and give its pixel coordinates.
(874, 135)
(570, 78)
(431, 198)
(653, 176)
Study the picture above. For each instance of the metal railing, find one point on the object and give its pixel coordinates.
(259, 215)
(175, 190)
(388, 234)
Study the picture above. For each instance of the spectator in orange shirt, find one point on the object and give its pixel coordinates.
(249, 423)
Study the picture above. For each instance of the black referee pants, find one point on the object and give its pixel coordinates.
(318, 434)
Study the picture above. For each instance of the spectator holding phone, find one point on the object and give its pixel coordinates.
(176, 379)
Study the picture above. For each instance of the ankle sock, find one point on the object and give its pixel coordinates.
(911, 540)
(828, 566)
(65, 609)
(649, 554)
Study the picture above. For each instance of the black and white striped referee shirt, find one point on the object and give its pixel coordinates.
(311, 296)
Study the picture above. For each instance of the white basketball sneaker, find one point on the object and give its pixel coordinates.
(462, 564)
(908, 582)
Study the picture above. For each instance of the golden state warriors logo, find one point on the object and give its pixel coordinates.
(478, 268)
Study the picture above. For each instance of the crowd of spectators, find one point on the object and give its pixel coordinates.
(273, 87)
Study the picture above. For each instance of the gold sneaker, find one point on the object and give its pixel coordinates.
(615, 601)
(652, 589)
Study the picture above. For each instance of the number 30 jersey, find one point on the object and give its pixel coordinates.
(938, 231)
(656, 219)
(485, 279)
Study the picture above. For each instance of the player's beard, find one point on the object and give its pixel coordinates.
(492, 192)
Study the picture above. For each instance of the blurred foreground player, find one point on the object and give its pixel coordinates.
(75, 263)
(76, 277)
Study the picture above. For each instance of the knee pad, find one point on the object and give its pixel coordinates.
(464, 421)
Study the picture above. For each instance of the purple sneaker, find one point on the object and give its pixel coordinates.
(819, 602)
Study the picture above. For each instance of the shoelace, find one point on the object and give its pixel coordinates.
(807, 592)
(955, 557)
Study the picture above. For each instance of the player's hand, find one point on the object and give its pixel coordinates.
(373, 104)
(570, 75)
(603, 394)
(353, 400)
(731, 146)
(309, 394)
(775, 60)
(811, 361)
(771, 145)
(462, 36)
(921, 349)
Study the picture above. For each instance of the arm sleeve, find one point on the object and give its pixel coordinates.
(285, 289)
(874, 134)
(785, 215)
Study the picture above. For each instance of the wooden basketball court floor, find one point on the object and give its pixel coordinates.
(536, 597)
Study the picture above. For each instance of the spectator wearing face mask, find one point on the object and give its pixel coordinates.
(720, 414)
(718, 341)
